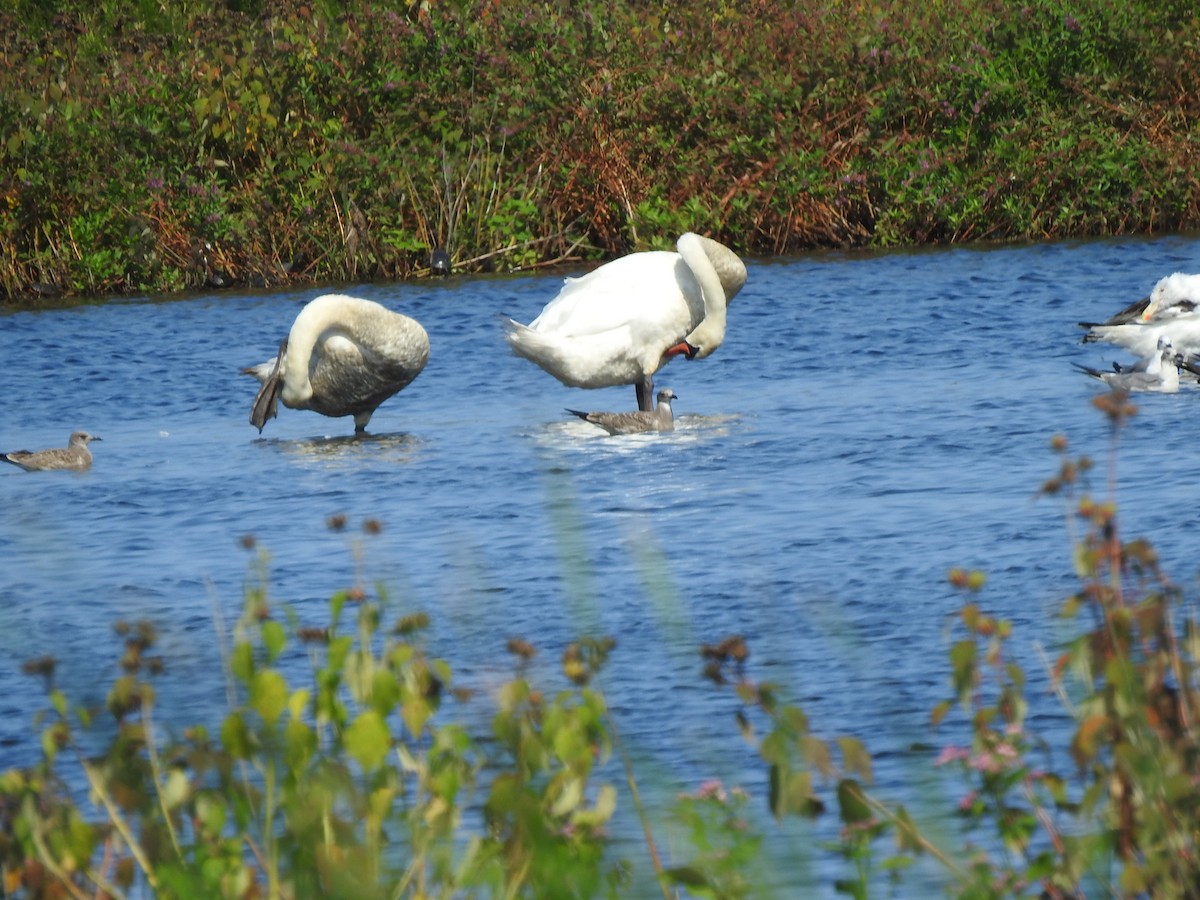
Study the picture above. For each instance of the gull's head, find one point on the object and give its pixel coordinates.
(81, 438)
(1177, 292)
(666, 395)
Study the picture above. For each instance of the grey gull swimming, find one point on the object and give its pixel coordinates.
(1159, 373)
(638, 422)
(74, 457)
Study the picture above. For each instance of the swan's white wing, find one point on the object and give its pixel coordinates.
(654, 289)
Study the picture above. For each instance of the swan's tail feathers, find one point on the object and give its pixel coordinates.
(545, 350)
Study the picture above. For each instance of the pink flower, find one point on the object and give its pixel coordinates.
(710, 790)
(986, 763)
(949, 755)
(967, 802)
(1006, 750)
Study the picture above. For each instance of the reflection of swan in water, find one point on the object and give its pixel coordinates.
(74, 457)
(660, 419)
(346, 450)
(624, 321)
(343, 357)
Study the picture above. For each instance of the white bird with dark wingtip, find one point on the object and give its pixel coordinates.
(622, 322)
(1158, 372)
(1171, 311)
(343, 357)
(75, 457)
(658, 419)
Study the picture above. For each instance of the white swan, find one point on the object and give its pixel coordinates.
(343, 357)
(624, 321)
(660, 419)
(75, 456)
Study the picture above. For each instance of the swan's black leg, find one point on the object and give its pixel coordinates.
(645, 393)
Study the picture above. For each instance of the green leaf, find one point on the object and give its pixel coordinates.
(688, 876)
(851, 802)
(939, 712)
(59, 701)
(241, 661)
(274, 638)
(176, 790)
(339, 647)
(855, 757)
(235, 737)
(367, 740)
(301, 743)
(210, 812)
(568, 797)
(601, 812)
(385, 691)
(962, 660)
(415, 711)
(791, 794)
(298, 702)
(49, 743)
(269, 695)
(1088, 737)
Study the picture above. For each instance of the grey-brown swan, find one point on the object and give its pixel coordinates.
(343, 357)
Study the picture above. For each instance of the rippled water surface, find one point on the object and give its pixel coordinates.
(870, 422)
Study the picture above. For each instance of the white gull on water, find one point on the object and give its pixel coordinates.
(1159, 372)
(343, 357)
(74, 457)
(659, 419)
(622, 322)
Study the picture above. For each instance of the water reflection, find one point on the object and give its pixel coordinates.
(349, 451)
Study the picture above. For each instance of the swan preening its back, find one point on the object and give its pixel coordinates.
(622, 322)
(343, 357)
(74, 457)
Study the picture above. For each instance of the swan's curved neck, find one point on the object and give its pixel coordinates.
(703, 256)
(313, 320)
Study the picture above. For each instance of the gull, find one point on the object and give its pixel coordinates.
(1159, 372)
(659, 419)
(1173, 294)
(343, 357)
(74, 457)
(1172, 310)
(622, 322)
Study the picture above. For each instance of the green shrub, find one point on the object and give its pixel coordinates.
(249, 144)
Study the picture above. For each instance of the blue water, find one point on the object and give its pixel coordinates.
(870, 421)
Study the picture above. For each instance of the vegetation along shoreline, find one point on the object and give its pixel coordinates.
(161, 147)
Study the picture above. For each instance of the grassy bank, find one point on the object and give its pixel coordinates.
(154, 147)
